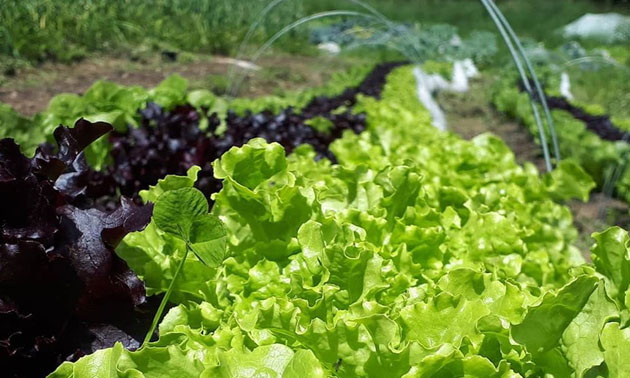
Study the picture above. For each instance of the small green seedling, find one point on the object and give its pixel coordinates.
(183, 213)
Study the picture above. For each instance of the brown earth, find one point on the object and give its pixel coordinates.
(470, 114)
(599, 213)
(30, 89)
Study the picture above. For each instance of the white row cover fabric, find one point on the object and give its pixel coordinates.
(605, 27)
(429, 84)
(330, 47)
(565, 86)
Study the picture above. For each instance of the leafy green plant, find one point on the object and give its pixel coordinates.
(607, 87)
(18, 127)
(40, 30)
(119, 105)
(321, 124)
(183, 214)
(604, 160)
(103, 102)
(418, 254)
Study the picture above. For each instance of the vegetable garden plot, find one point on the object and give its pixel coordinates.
(598, 142)
(416, 254)
(601, 125)
(170, 142)
(334, 236)
(68, 196)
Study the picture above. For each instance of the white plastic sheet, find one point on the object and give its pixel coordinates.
(429, 84)
(425, 83)
(565, 86)
(605, 27)
(330, 47)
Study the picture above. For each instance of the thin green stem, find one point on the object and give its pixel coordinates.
(160, 310)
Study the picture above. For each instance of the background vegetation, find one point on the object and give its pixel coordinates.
(66, 30)
(38, 30)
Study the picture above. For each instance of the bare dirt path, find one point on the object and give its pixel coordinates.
(30, 89)
(470, 114)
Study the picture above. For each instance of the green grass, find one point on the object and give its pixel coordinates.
(608, 87)
(64, 30)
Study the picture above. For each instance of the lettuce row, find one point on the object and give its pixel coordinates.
(418, 255)
(595, 155)
(118, 105)
(336, 85)
(103, 102)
